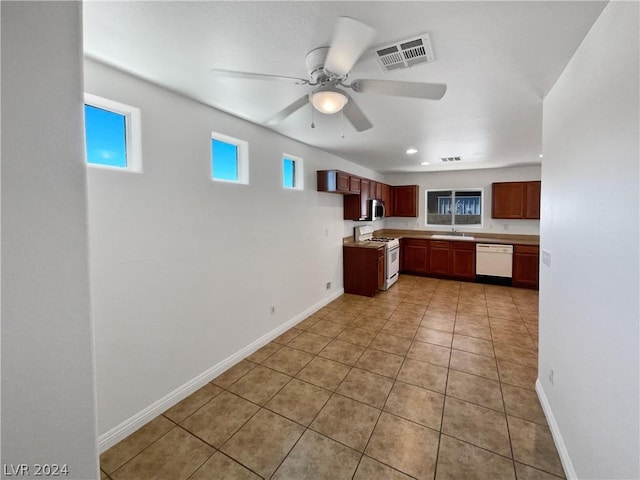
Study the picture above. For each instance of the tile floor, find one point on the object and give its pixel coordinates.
(431, 379)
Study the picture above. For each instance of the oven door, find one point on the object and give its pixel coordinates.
(392, 266)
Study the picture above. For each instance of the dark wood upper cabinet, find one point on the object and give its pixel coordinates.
(386, 199)
(364, 197)
(399, 201)
(515, 200)
(351, 209)
(532, 200)
(507, 200)
(375, 190)
(372, 188)
(405, 200)
(357, 206)
(342, 182)
(355, 184)
(333, 181)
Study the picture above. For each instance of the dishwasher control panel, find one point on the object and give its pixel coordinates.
(494, 248)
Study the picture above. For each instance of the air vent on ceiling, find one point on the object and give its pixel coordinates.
(405, 54)
(451, 159)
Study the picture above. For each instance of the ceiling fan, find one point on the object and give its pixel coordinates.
(329, 68)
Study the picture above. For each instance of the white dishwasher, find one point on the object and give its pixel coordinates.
(494, 263)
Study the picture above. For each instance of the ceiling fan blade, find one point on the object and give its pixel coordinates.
(220, 72)
(350, 39)
(288, 110)
(355, 116)
(430, 91)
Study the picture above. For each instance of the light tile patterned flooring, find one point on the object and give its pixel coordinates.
(431, 379)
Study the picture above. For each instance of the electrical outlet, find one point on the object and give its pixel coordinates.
(326, 232)
(505, 226)
(328, 286)
(551, 375)
(273, 309)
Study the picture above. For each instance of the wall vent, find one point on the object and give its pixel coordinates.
(405, 54)
(451, 159)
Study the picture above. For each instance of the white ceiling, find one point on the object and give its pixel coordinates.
(498, 59)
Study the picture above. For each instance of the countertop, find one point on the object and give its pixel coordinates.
(350, 242)
(428, 235)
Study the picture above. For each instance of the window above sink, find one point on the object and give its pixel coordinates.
(454, 207)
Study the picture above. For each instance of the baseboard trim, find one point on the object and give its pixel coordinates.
(126, 428)
(567, 464)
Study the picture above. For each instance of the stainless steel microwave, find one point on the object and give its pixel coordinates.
(376, 210)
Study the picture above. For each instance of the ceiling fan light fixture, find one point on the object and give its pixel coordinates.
(328, 100)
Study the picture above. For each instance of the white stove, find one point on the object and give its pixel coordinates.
(390, 242)
(392, 253)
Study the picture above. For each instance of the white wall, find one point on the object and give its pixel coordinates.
(349, 226)
(466, 179)
(183, 269)
(48, 402)
(589, 317)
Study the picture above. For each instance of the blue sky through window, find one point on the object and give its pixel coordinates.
(289, 172)
(106, 137)
(224, 160)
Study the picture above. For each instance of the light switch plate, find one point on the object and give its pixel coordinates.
(546, 257)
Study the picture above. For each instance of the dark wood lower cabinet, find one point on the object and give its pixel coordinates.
(457, 259)
(463, 260)
(414, 256)
(381, 262)
(440, 257)
(526, 266)
(363, 270)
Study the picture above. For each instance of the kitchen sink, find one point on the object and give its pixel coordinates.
(452, 237)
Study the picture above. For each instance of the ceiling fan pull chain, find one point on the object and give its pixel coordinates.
(342, 124)
(313, 125)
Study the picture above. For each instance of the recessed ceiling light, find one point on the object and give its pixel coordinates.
(424, 163)
(541, 155)
(411, 151)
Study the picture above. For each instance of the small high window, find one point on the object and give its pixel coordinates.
(292, 172)
(112, 134)
(454, 207)
(229, 159)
